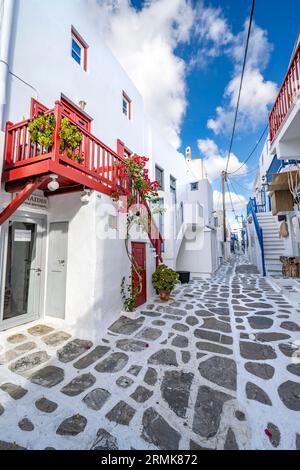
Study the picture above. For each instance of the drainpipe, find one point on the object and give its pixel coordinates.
(6, 18)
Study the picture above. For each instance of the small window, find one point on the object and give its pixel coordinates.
(126, 106)
(194, 186)
(79, 49)
(159, 176)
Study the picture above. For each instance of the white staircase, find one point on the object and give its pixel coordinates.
(273, 245)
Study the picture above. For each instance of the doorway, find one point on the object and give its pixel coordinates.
(139, 255)
(22, 270)
(57, 269)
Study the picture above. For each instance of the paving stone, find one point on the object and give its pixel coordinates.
(26, 425)
(157, 431)
(269, 337)
(149, 334)
(73, 349)
(14, 391)
(175, 389)
(171, 317)
(149, 314)
(265, 312)
(260, 323)
(10, 446)
(230, 441)
(290, 325)
(180, 341)
(294, 369)
(254, 392)
(203, 313)
(213, 336)
(105, 441)
(208, 411)
(78, 385)
(16, 352)
(240, 415)
(256, 351)
(72, 426)
(259, 305)
(220, 310)
(122, 413)
(194, 446)
(28, 362)
(40, 330)
(192, 321)
(263, 371)
(113, 363)
(141, 394)
(213, 324)
(275, 434)
(289, 350)
(17, 338)
(180, 327)
(158, 322)
(131, 345)
(150, 376)
(212, 347)
(45, 405)
(91, 357)
(289, 393)
(134, 370)
(185, 356)
(96, 398)
(54, 339)
(48, 377)
(127, 326)
(220, 370)
(165, 357)
(124, 382)
(1, 410)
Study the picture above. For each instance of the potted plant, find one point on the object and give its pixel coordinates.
(164, 279)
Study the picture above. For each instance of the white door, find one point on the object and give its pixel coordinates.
(57, 269)
(21, 296)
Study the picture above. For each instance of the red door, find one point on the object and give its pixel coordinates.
(139, 255)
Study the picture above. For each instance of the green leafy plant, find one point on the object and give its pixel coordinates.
(129, 294)
(70, 138)
(164, 278)
(41, 130)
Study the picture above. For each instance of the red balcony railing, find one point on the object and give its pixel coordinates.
(286, 96)
(93, 165)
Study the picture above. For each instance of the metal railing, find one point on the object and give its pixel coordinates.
(286, 96)
(252, 211)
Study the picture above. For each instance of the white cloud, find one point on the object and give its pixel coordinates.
(257, 93)
(215, 160)
(238, 201)
(144, 41)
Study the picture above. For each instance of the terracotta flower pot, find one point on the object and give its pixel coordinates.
(164, 295)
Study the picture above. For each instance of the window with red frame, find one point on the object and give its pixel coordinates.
(126, 105)
(79, 49)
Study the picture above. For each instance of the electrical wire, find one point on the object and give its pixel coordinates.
(241, 83)
(252, 152)
(19, 78)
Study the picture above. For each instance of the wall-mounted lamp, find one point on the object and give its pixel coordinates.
(53, 185)
(85, 198)
(82, 104)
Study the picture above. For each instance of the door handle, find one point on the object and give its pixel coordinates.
(37, 270)
(61, 261)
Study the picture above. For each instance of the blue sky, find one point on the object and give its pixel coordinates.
(185, 56)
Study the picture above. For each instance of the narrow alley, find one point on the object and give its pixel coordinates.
(214, 368)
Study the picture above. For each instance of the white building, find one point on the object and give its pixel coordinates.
(55, 260)
(275, 191)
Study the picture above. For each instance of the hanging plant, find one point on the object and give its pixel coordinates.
(70, 139)
(129, 294)
(41, 130)
(133, 178)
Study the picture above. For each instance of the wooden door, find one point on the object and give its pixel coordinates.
(139, 255)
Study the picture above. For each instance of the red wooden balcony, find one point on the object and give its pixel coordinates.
(92, 165)
(287, 95)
